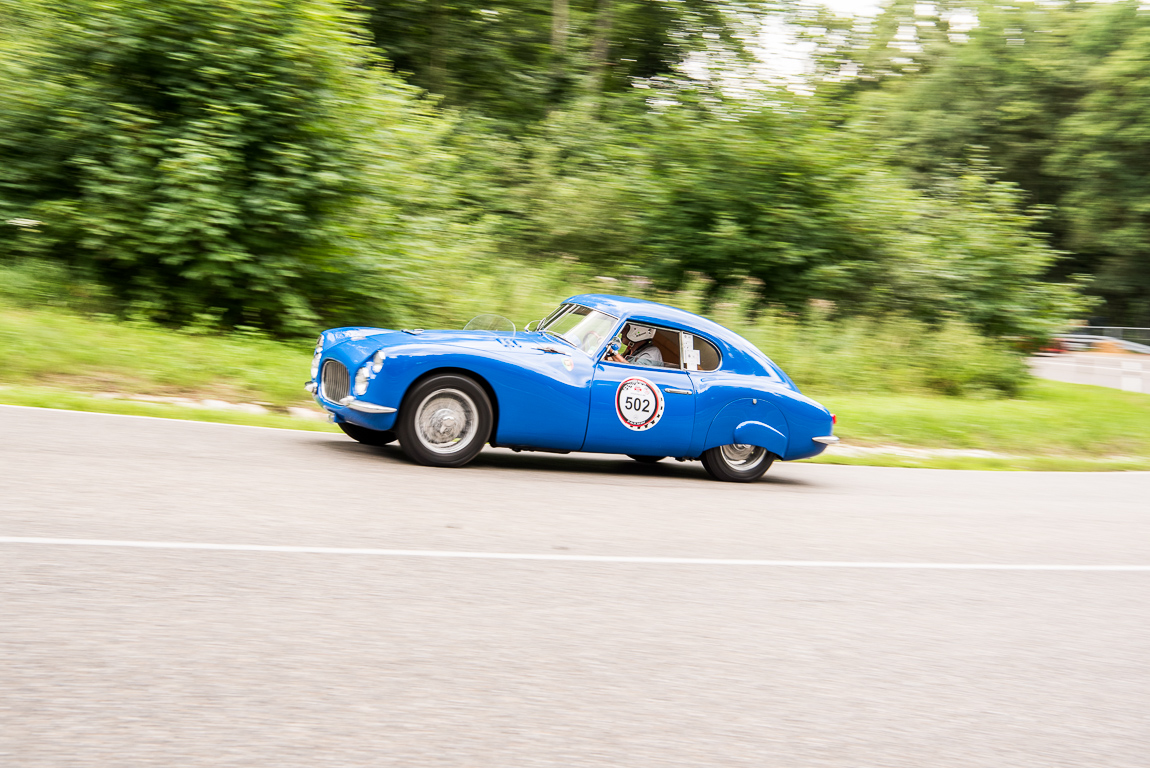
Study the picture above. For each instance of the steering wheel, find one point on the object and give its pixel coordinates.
(590, 347)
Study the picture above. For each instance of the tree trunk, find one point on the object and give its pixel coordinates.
(560, 13)
(437, 59)
(559, 16)
(602, 44)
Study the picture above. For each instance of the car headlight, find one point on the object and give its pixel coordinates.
(362, 376)
(377, 361)
(316, 356)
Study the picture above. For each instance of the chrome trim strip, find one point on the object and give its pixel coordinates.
(364, 406)
(828, 440)
(674, 391)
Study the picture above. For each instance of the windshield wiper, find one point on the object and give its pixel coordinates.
(564, 339)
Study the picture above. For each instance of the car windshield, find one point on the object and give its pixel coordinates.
(579, 326)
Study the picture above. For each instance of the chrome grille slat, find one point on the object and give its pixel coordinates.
(336, 381)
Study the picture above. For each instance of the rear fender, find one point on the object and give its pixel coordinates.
(764, 435)
(749, 421)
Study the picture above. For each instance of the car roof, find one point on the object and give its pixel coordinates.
(625, 307)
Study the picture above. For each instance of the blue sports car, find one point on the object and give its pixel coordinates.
(605, 374)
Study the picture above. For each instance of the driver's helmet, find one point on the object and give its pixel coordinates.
(638, 333)
(637, 337)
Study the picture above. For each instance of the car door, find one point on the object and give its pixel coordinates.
(642, 410)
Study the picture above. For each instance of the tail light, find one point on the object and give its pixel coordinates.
(834, 419)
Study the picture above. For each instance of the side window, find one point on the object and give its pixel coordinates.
(699, 354)
(648, 346)
(667, 342)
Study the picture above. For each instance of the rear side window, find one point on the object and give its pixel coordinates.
(699, 354)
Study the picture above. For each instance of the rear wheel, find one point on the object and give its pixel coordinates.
(647, 459)
(367, 436)
(444, 421)
(737, 463)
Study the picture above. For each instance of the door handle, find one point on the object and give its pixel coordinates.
(674, 391)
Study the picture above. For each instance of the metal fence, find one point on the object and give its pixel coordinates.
(1137, 335)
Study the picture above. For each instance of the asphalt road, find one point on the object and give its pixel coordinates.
(128, 656)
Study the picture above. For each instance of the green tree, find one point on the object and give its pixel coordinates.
(495, 57)
(768, 196)
(245, 158)
(514, 60)
(1104, 155)
(1043, 92)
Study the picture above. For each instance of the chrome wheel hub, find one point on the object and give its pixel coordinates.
(743, 457)
(446, 421)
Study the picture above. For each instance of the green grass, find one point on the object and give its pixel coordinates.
(51, 397)
(58, 349)
(1053, 426)
(1051, 418)
(1006, 464)
(55, 358)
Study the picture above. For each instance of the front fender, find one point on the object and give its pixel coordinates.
(541, 397)
(750, 421)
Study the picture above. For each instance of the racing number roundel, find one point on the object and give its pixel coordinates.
(639, 404)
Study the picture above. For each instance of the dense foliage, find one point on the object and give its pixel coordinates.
(286, 163)
(514, 60)
(247, 159)
(1056, 96)
(769, 198)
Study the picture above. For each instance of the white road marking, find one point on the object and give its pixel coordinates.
(564, 558)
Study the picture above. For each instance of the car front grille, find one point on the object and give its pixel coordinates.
(336, 382)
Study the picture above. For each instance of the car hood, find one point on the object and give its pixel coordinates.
(487, 341)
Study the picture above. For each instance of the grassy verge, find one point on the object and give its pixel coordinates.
(51, 397)
(58, 349)
(54, 358)
(1052, 426)
(1004, 464)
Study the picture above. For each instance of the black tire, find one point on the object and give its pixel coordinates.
(647, 459)
(723, 463)
(367, 436)
(444, 421)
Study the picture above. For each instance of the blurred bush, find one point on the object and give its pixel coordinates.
(37, 283)
(890, 355)
(250, 159)
(769, 195)
(1053, 94)
(228, 163)
(882, 354)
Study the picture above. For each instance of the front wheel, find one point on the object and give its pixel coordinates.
(444, 421)
(737, 463)
(367, 436)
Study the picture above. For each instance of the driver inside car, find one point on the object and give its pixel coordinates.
(639, 347)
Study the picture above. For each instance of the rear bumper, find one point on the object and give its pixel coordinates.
(827, 440)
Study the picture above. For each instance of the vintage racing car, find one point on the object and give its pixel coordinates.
(603, 374)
